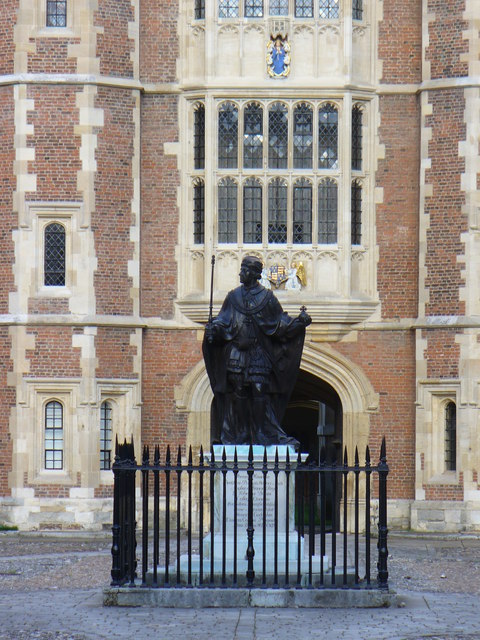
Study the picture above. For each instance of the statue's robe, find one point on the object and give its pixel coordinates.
(255, 339)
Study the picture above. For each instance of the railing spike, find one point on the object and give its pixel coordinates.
(345, 458)
(190, 458)
(156, 455)
(265, 457)
(357, 461)
(235, 457)
(212, 453)
(201, 456)
(288, 456)
(250, 453)
(168, 456)
(367, 455)
(224, 455)
(179, 456)
(383, 450)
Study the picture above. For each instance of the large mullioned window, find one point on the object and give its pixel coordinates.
(279, 173)
(323, 9)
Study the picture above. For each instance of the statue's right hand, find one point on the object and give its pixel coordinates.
(210, 332)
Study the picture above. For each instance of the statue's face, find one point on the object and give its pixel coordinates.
(247, 274)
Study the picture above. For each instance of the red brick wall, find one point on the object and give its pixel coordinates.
(446, 42)
(397, 216)
(442, 353)
(167, 358)
(388, 360)
(51, 56)
(114, 352)
(7, 401)
(400, 41)
(8, 220)
(57, 158)
(447, 221)
(8, 19)
(113, 45)
(160, 218)
(113, 216)
(53, 355)
(159, 49)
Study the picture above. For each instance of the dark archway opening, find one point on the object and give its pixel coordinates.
(314, 418)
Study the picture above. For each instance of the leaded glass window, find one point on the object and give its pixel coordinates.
(199, 137)
(327, 211)
(451, 437)
(228, 9)
(253, 8)
(279, 7)
(278, 136)
(328, 9)
(302, 212)
(357, 138)
(228, 136)
(303, 137)
(252, 211)
(357, 9)
(356, 213)
(54, 436)
(304, 8)
(199, 9)
(54, 255)
(227, 210)
(277, 211)
(105, 436)
(328, 137)
(56, 13)
(199, 212)
(253, 137)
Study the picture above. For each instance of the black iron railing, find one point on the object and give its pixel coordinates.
(252, 520)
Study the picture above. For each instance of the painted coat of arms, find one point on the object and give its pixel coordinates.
(278, 56)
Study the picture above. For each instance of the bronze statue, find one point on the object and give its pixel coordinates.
(252, 353)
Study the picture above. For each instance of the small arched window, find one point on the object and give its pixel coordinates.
(53, 436)
(228, 136)
(302, 212)
(199, 137)
(328, 137)
(278, 136)
(199, 212)
(54, 255)
(302, 137)
(227, 210)
(105, 435)
(357, 138)
(253, 137)
(277, 211)
(56, 13)
(356, 213)
(252, 211)
(327, 211)
(451, 437)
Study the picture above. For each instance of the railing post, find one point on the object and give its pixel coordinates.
(382, 519)
(250, 530)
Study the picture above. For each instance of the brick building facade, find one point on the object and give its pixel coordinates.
(140, 137)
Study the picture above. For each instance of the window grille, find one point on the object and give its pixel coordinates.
(253, 8)
(451, 437)
(357, 9)
(357, 138)
(105, 435)
(228, 136)
(277, 211)
(228, 9)
(328, 9)
(227, 210)
(56, 13)
(199, 137)
(304, 8)
(199, 212)
(278, 137)
(327, 211)
(252, 211)
(303, 137)
(302, 212)
(199, 9)
(54, 255)
(279, 7)
(328, 137)
(253, 137)
(54, 436)
(356, 213)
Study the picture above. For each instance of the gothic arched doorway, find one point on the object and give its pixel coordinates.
(314, 418)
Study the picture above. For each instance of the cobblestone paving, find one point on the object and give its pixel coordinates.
(51, 589)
